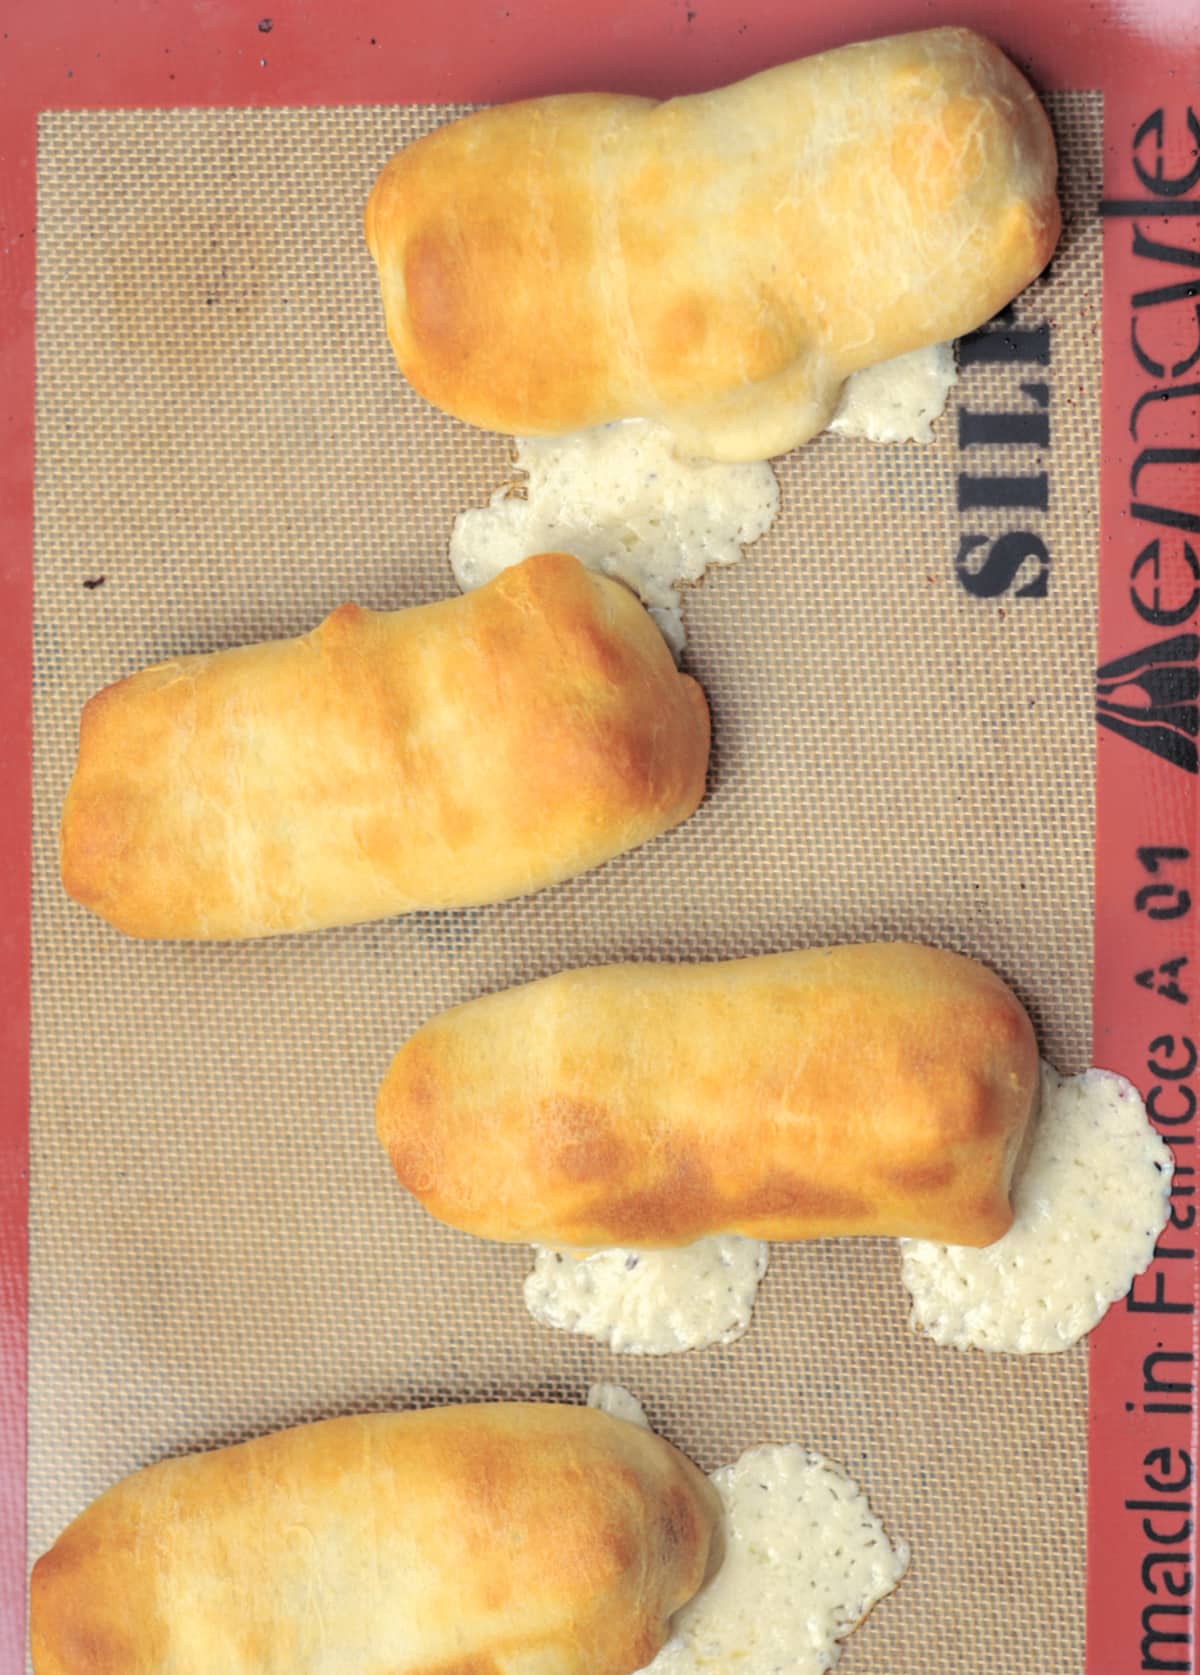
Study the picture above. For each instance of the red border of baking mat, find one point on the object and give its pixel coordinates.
(1143, 1434)
(1145, 56)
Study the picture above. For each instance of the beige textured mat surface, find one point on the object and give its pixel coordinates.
(218, 1247)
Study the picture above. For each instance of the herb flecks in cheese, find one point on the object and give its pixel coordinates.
(897, 400)
(623, 502)
(805, 1560)
(654, 1302)
(1090, 1197)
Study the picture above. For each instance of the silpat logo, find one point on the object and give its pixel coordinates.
(1166, 718)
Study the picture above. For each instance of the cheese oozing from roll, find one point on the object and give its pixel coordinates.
(719, 263)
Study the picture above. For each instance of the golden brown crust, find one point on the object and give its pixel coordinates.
(494, 1540)
(455, 753)
(881, 1088)
(720, 263)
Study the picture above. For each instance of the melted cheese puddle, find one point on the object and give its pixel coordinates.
(626, 503)
(897, 401)
(805, 1560)
(650, 1302)
(1091, 1196)
(621, 1403)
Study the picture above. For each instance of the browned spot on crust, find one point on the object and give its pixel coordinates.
(680, 1204)
(620, 1545)
(985, 1112)
(432, 282)
(64, 1619)
(679, 1523)
(791, 1195)
(416, 1162)
(475, 1665)
(408, 1118)
(683, 328)
(923, 1177)
(583, 1144)
(94, 831)
(990, 1220)
(601, 649)
(685, 1203)
(346, 620)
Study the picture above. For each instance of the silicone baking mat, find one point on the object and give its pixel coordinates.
(900, 676)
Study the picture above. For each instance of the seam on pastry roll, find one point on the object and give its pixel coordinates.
(720, 263)
(869, 1089)
(442, 756)
(499, 1539)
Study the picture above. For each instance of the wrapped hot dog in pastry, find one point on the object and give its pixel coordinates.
(506, 1538)
(874, 1089)
(719, 263)
(464, 752)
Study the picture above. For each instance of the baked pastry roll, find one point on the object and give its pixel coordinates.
(495, 1540)
(455, 753)
(719, 263)
(882, 1088)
